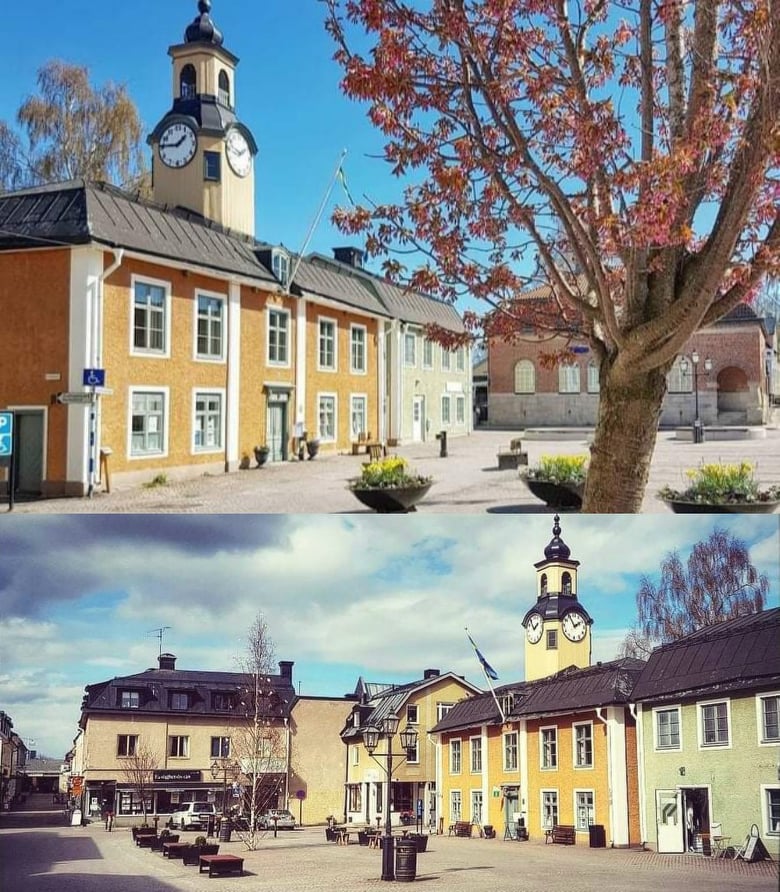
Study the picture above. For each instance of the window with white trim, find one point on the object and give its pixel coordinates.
(358, 413)
(130, 699)
(326, 414)
(510, 751)
(771, 810)
(126, 745)
(548, 747)
(667, 728)
(475, 744)
(476, 806)
(413, 753)
(427, 353)
(442, 709)
(207, 428)
(455, 752)
(460, 410)
(412, 714)
(446, 359)
(549, 808)
(455, 805)
(525, 376)
(679, 378)
(220, 747)
(445, 409)
(355, 797)
(769, 715)
(180, 700)
(410, 349)
(150, 317)
(147, 423)
(179, 746)
(278, 337)
(209, 327)
(357, 350)
(568, 377)
(594, 385)
(355, 755)
(583, 745)
(584, 809)
(326, 356)
(551, 639)
(714, 723)
(280, 265)
(460, 359)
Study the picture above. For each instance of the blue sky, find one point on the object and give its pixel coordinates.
(287, 91)
(383, 597)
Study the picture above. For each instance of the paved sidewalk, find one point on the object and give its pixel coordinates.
(467, 481)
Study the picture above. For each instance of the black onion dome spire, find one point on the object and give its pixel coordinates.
(203, 29)
(557, 549)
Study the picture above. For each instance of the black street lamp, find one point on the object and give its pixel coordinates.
(408, 738)
(228, 769)
(698, 428)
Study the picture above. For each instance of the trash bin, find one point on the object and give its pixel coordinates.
(698, 431)
(224, 830)
(405, 861)
(442, 438)
(598, 838)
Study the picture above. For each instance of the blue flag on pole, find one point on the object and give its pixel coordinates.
(489, 670)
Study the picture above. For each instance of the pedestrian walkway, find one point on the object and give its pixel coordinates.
(467, 481)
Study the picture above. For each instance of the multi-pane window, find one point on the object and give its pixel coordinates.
(445, 409)
(549, 808)
(223, 85)
(552, 639)
(412, 714)
(568, 378)
(278, 337)
(210, 326)
(220, 747)
(510, 751)
(476, 754)
(442, 709)
(460, 359)
(455, 805)
(147, 423)
(327, 344)
(667, 729)
(773, 810)
(583, 746)
(460, 409)
(455, 757)
(126, 745)
(212, 166)
(178, 746)
(355, 798)
(413, 753)
(770, 709)
(222, 702)
(446, 359)
(149, 305)
(357, 348)
(714, 724)
(679, 378)
(410, 349)
(584, 809)
(130, 699)
(358, 415)
(427, 357)
(594, 385)
(280, 264)
(180, 700)
(525, 376)
(566, 584)
(476, 806)
(549, 747)
(207, 434)
(326, 412)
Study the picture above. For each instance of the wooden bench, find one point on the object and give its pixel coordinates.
(563, 834)
(221, 864)
(460, 828)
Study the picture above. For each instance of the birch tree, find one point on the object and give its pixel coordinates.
(138, 770)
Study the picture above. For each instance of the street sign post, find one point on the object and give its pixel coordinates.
(94, 378)
(7, 451)
(76, 397)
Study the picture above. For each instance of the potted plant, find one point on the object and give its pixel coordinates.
(313, 447)
(722, 488)
(558, 480)
(388, 486)
(261, 455)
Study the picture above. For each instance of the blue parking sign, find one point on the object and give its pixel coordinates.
(94, 378)
(6, 434)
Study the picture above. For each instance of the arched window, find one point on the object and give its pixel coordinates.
(187, 82)
(566, 584)
(568, 377)
(525, 377)
(543, 584)
(593, 378)
(679, 378)
(224, 88)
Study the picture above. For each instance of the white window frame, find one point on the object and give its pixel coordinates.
(208, 392)
(569, 378)
(222, 748)
(583, 766)
(477, 806)
(592, 374)
(412, 714)
(656, 745)
(355, 754)
(278, 363)
(763, 740)
(510, 745)
(414, 753)
(131, 745)
(446, 416)
(442, 709)
(210, 357)
(677, 380)
(555, 801)
(591, 810)
(460, 359)
(184, 739)
(166, 414)
(327, 395)
(700, 706)
(180, 701)
(133, 699)
(542, 766)
(353, 399)
(524, 375)
(456, 745)
(475, 754)
(354, 368)
(280, 266)
(327, 321)
(147, 352)
(765, 791)
(410, 337)
(460, 410)
(456, 806)
(427, 353)
(446, 359)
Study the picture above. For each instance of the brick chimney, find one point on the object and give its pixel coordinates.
(431, 673)
(285, 669)
(350, 256)
(167, 661)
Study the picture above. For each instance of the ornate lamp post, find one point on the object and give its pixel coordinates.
(698, 429)
(408, 738)
(227, 769)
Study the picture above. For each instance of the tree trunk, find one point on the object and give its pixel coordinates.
(629, 409)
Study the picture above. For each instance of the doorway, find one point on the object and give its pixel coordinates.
(683, 820)
(29, 449)
(418, 412)
(276, 426)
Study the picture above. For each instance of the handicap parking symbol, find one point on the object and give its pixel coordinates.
(94, 378)
(6, 433)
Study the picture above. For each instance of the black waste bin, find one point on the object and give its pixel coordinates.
(224, 830)
(405, 861)
(598, 838)
(442, 438)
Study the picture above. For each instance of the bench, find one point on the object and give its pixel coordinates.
(191, 854)
(563, 834)
(221, 864)
(512, 458)
(460, 828)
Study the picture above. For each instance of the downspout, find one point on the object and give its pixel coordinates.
(601, 718)
(640, 772)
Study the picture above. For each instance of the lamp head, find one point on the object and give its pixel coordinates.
(408, 738)
(215, 769)
(390, 724)
(695, 358)
(707, 364)
(371, 738)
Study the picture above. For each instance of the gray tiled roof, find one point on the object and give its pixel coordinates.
(328, 282)
(79, 213)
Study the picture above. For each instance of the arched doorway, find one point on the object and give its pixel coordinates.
(733, 394)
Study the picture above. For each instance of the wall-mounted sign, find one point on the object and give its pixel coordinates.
(167, 777)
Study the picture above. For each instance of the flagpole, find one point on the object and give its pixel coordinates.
(313, 226)
(487, 677)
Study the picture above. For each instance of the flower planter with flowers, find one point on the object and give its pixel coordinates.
(717, 488)
(558, 480)
(387, 486)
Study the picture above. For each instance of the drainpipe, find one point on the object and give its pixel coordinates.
(601, 718)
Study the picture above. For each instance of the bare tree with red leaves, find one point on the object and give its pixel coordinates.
(628, 147)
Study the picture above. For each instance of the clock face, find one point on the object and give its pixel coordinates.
(534, 628)
(238, 154)
(177, 145)
(574, 626)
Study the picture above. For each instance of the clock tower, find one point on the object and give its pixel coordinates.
(557, 627)
(202, 156)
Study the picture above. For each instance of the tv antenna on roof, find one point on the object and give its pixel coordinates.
(158, 633)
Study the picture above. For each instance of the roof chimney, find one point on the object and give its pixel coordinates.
(167, 661)
(350, 256)
(285, 669)
(431, 673)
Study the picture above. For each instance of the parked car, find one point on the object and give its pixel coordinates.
(193, 815)
(278, 817)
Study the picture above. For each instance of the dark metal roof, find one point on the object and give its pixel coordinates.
(203, 29)
(736, 654)
(472, 711)
(331, 283)
(79, 213)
